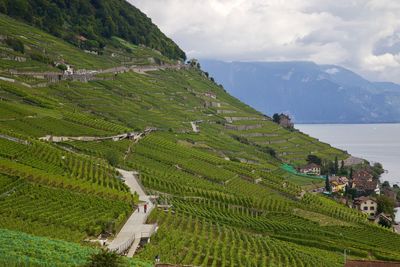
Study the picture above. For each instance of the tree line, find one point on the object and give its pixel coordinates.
(90, 24)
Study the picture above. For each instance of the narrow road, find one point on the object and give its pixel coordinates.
(88, 75)
(135, 227)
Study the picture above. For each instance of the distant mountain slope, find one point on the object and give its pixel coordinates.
(311, 93)
(95, 20)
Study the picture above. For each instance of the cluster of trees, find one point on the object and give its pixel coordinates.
(337, 167)
(96, 20)
(377, 170)
(327, 166)
(15, 44)
(276, 118)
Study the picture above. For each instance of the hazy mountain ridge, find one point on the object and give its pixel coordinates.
(311, 93)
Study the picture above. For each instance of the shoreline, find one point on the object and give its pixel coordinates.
(372, 142)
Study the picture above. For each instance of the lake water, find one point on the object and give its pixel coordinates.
(373, 142)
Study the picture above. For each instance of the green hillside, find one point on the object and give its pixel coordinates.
(213, 160)
(91, 24)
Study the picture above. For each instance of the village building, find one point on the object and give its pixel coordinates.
(69, 70)
(338, 183)
(366, 187)
(366, 205)
(285, 121)
(312, 169)
(365, 184)
(211, 95)
(363, 174)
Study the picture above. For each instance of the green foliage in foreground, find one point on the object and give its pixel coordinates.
(20, 249)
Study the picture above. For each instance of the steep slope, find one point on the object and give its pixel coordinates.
(311, 93)
(91, 24)
(229, 201)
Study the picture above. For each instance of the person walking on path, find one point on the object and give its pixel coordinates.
(157, 258)
(145, 207)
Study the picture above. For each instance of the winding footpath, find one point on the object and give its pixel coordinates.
(135, 228)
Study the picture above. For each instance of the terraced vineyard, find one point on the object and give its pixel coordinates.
(48, 191)
(271, 210)
(71, 216)
(229, 201)
(198, 242)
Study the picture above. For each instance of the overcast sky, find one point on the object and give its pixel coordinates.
(363, 35)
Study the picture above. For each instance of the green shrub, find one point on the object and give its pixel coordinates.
(105, 259)
(15, 44)
(62, 67)
(37, 56)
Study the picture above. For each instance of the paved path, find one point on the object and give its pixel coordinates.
(194, 127)
(57, 139)
(135, 227)
(131, 135)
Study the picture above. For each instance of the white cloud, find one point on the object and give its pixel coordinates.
(381, 62)
(363, 35)
(332, 71)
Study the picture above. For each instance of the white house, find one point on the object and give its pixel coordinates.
(367, 205)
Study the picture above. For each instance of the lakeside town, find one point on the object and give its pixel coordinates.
(354, 182)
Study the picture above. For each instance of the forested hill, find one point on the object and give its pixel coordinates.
(91, 24)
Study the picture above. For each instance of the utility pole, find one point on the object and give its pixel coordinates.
(344, 254)
(345, 251)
